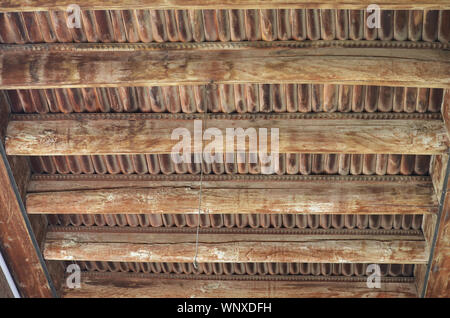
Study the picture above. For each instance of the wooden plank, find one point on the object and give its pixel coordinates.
(42, 5)
(17, 239)
(438, 273)
(229, 247)
(5, 290)
(85, 65)
(89, 134)
(119, 285)
(313, 197)
(438, 283)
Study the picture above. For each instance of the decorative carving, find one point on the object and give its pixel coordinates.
(209, 116)
(231, 177)
(115, 47)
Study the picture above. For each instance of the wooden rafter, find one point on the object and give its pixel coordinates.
(84, 65)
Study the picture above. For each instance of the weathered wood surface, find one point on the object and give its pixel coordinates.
(124, 285)
(438, 283)
(73, 66)
(311, 197)
(437, 172)
(16, 238)
(5, 290)
(438, 229)
(217, 247)
(140, 133)
(42, 5)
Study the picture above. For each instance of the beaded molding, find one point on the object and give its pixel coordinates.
(234, 177)
(417, 234)
(247, 277)
(131, 47)
(209, 116)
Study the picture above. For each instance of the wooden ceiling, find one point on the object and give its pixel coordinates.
(86, 116)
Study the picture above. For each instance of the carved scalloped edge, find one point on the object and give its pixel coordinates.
(188, 230)
(246, 116)
(117, 47)
(233, 177)
(246, 277)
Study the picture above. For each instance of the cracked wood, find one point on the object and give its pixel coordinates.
(21, 69)
(89, 135)
(180, 247)
(311, 197)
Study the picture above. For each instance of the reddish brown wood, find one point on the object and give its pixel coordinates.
(231, 247)
(439, 230)
(126, 285)
(110, 134)
(16, 238)
(125, 65)
(310, 197)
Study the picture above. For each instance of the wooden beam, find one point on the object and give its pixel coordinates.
(17, 240)
(43, 5)
(437, 276)
(88, 134)
(112, 65)
(316, 197)
(118, 285)
(230, 247)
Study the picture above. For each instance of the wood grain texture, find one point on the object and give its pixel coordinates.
(88, 135)
(223, 248)
(17, 239)
(438, 228)
(311, 197)
(438, 167)
(124, 285)
(128, 66)
(42, 5)
(5, 290)
(445, 110)
(438, 283)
